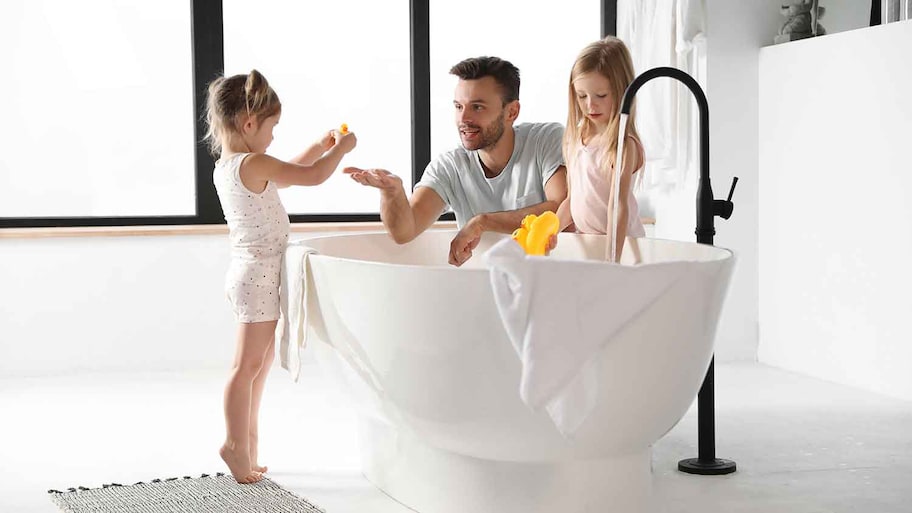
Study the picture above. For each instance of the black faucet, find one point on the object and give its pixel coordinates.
(707, 209)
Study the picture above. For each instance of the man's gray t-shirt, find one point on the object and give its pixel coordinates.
(458, 176)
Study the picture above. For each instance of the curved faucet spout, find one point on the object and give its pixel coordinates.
(707, 207)
(664, 71)
(675, 73)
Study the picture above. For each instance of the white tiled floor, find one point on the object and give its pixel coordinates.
(802, 445)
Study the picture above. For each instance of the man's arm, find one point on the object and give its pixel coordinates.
(403, 219)
(507, 221)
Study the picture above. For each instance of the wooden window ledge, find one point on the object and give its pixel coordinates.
(199, 229)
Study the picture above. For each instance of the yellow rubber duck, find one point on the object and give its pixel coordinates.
(536, 231)
(344, 128)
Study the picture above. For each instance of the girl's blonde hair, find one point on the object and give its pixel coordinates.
(231, 100)
(610, 58)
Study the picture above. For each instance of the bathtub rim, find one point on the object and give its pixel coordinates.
(724, 253)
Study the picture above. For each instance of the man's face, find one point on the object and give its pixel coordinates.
(480, 113)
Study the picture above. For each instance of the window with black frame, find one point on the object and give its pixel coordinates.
(104, 124)
(96, 122)
(330, 63)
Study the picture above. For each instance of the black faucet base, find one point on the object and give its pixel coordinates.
(713, 467)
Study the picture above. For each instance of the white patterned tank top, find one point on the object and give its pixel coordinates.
(258, 225)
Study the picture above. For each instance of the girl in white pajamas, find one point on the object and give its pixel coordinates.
(241, 112)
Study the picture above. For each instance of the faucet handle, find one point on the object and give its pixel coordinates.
(732, 190)
(724, 208)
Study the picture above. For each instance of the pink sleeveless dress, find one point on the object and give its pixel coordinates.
(590, 190)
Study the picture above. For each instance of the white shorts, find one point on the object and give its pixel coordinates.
(253, 290)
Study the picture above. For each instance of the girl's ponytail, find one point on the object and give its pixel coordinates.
(217, 116)
(260, 99)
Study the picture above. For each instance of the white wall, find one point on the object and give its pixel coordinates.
(736, 31)
(114, 303)
(835, 174)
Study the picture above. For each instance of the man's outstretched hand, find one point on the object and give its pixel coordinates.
(379, 178)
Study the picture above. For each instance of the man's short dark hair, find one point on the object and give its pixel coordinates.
(504, 73)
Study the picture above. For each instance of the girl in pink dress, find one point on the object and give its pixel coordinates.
(599, 77)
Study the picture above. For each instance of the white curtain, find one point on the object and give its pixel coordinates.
(666, 33)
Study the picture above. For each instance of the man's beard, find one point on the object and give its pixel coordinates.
(489, 134)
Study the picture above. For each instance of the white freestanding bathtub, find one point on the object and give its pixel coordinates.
(422, 348)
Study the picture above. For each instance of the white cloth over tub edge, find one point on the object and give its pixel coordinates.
(292, 328)
(303, 318)
(559, 314)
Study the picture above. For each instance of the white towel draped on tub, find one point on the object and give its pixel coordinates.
(296, 299)
(302, 319)
(559, 314)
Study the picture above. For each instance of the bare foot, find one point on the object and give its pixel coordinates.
(239, 465)
(256, 467)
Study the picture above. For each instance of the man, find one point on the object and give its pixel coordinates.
(501, 174)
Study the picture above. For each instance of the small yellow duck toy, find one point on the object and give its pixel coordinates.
(536, 231)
